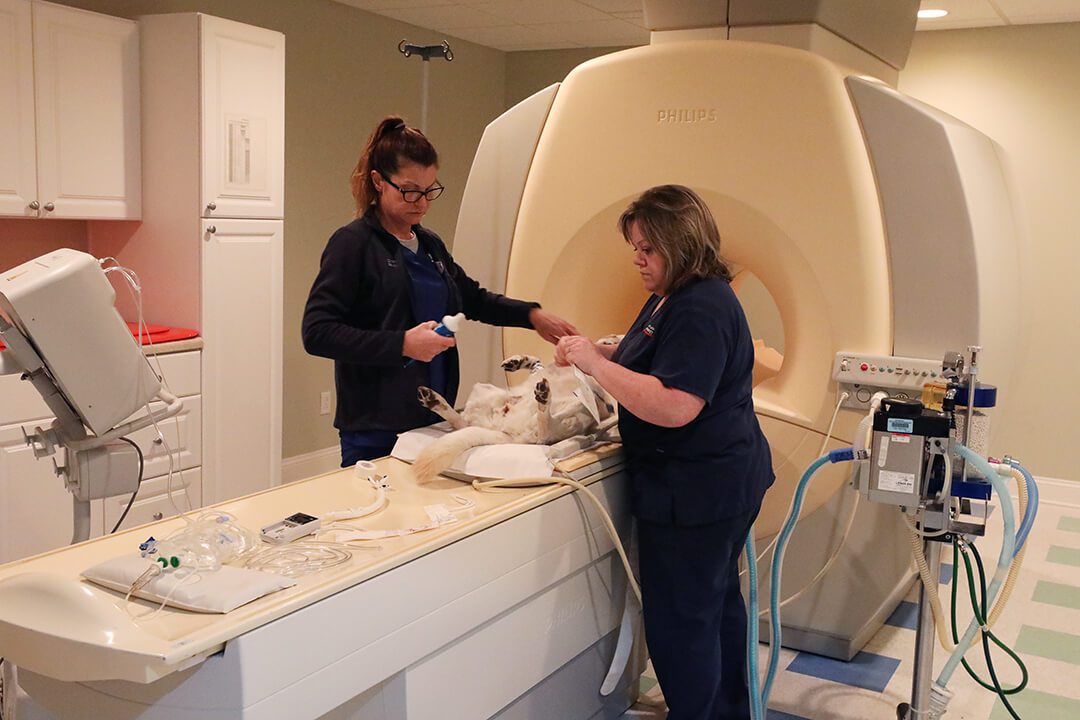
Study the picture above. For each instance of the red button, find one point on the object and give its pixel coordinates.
(864, 367)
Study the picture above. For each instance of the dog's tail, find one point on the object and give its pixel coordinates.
(440, 454)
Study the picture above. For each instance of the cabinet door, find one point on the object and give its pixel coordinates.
(18, 165)
(86, 70)
(243, 122)
(35, 510)
(241, 327)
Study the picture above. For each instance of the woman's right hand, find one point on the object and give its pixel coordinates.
(560, 352)
(423, 343)
(604, 349)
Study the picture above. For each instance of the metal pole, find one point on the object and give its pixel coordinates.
(425, 52)
(423, 96)
(969, 417)
(925, 639)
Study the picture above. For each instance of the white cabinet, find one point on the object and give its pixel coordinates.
(18, 164)
(36, 509)
(69, 113)
(241, 291)
(217, 269)
(242, 124)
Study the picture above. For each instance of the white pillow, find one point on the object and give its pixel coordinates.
(216, 591)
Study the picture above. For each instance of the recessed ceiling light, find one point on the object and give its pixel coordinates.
(932, 14)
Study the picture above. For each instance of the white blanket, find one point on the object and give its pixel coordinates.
(507, 461)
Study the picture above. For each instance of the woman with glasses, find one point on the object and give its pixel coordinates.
(384, 283)
(699, 464)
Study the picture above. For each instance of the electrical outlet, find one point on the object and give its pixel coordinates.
(324, 403)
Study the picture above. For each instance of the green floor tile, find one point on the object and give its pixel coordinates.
(1039, 706)
(1048, 644)
(1063, 555)
(1069, 524)
(1057, 594)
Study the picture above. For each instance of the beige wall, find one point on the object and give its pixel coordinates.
(530, 72)
(1018, 85)
(343, 72)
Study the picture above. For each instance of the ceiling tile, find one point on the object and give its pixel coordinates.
(545, 24)
(503, 36)
(531, 12)
(634, 17)
(962, 13)
(539, 46)
(380, 5)
(597, 33)
(615, 6)
(445, 18)
(1042, 11)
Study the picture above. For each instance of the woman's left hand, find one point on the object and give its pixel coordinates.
(551, 327)
(580, 352)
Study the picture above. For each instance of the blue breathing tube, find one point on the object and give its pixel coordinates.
(757, 712)
(1032, 504)
(758, 703)
(1015, 539)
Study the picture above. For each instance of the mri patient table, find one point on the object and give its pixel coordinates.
(512, 611)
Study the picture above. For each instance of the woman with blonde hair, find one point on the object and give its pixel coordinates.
(698, 462)
(384, 283)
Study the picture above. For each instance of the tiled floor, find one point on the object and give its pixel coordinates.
(1041, 622)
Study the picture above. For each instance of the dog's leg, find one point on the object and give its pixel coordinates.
(542, 392)
(435, 402)
(517, 362)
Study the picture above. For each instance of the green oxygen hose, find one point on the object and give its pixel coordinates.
(982, 615)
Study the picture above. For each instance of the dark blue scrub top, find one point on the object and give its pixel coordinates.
(718, 465)
(429, 296)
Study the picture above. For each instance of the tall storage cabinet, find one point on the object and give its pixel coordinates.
(69, 113)
(209, 252)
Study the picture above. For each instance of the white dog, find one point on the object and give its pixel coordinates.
(549, 407)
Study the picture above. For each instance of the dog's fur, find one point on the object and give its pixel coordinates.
(541, 410)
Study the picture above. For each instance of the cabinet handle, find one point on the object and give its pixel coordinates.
(212, 229)
(49, 207)
(211, 207)
(34, 205)
(158, 515)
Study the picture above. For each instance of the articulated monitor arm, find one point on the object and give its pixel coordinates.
(98, 464)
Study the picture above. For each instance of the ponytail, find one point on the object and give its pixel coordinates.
(391, 144)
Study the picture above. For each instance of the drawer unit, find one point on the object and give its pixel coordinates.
(152, 503)
(36, 509)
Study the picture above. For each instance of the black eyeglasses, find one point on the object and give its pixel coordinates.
(412, 196)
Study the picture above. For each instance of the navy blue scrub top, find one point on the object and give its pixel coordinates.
(718, 465)
(429, 296)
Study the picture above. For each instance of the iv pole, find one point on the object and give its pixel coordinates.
(425, 52)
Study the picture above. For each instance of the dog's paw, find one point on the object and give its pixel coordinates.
(517, 362)
(542, 392)
(428, 397)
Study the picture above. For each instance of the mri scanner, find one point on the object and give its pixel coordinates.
(878, 227)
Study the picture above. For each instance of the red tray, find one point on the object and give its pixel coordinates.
(157, 334)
